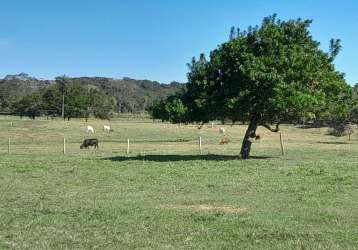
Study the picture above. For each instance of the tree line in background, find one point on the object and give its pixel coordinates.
(66, 99)
(264, 76)
(85, 96)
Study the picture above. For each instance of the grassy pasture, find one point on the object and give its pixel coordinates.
(164, 195)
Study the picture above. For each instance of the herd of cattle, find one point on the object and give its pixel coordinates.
(93, 142)
(106, 128)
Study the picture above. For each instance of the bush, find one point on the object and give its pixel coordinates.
(342, 129)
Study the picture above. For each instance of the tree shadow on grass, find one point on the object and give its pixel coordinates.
(334, 142)
(308, 126)
(172, 158)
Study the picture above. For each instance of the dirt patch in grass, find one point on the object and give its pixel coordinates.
(205, 207)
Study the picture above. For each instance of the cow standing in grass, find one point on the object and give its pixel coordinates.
(107, 128)
(90, 129)
(224, 140)
(89, 143)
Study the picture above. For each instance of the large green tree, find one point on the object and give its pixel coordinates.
(52, 100)
(101, 105)
(265, 76)
(62, 82)
(30, 105)
(85, 101)
(172, 109)
(76, 102)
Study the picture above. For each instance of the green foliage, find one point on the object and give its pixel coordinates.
(85, 101)
(80, 102)
(341, 128)
(62, 82)
(5, 103)
(334, 47)
(176, 110)
(342, 114)
(76, 102)
(14, 87)
(131, 95)
(354, 110)
(157, 111)
(172, 109)
(101, 105)
(30, 106)
(52, 100)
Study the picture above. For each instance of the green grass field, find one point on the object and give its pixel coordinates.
(164, 195)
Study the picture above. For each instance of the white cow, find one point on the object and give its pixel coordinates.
(107, 128)
(90, 129)
(221, 130)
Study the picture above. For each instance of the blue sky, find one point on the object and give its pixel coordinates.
(150, 39)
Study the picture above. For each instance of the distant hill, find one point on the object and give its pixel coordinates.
(131, 95)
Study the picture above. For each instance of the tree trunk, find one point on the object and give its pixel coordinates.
(63, 106)
(249, 136)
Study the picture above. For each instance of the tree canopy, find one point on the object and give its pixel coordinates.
(266, 75)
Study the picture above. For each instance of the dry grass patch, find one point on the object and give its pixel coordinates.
(205, 207)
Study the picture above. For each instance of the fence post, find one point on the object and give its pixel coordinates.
(127, 146)
(281, 141)
(212, 124)
(9, 146)
(64, 145)
(200, 146)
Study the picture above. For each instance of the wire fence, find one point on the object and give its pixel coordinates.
(25, 136)
(125, 146)
(69, 146)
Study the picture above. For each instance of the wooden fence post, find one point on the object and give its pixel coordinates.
(200, 146)
(282, 147)
(127, 146)
(64, 145)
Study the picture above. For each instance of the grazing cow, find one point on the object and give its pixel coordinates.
(89, 143)
(221, 130)
(90, 129)
(107, 128)
(224, 140)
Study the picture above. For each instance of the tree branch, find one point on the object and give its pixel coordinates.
(276, 129)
